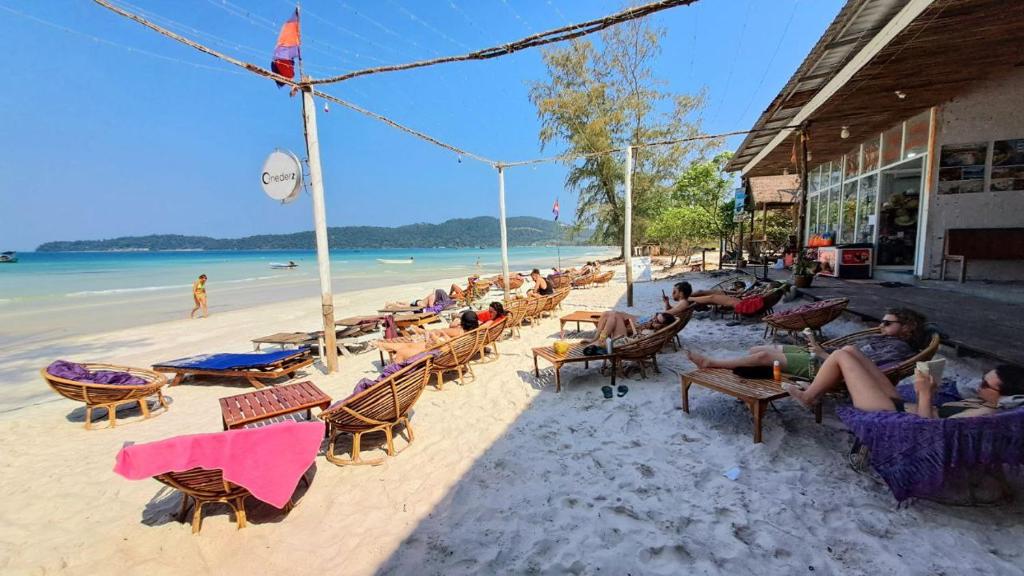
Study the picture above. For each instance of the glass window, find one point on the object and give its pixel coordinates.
(837, 172)
(866, 208)
(849, 221)
(834, 203)
(917, 136)
(892, 142)
(870, 156)
(852, 163)
(812, 215)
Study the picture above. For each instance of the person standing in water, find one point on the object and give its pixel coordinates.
(199, 295)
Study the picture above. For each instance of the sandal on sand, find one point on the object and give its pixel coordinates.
(622, 390)
(607, 390)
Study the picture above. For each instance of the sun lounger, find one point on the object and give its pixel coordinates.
(814, 316)
(494, 329)
(255, 368)
(639, 350)
(603, 278)
(110, 396)
(378, 408)
(896, 372)
(284, 340)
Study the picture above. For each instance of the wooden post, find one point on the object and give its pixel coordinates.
(323, 253)
(504, 230)
(802, 209)
(627, 240)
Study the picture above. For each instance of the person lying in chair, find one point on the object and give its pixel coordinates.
(617, 324)
(749, 302)
(738, 287)
(871, 390)
(428, 338)
(901, 335)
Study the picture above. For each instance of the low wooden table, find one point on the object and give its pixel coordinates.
(575, 354)
(756, 393)
(583, 317)
(264, 404)
(284, 339)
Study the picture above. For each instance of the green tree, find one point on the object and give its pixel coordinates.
(594, 101)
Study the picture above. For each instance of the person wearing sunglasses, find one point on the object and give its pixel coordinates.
(871, 391)
(900, 335)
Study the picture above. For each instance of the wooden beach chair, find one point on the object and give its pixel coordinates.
(583, 281)
(494, 331)
(379, 408)
(899, 371)
(254, 368)
(603, 278)
(202, 487)
(110, 396)
(814, 316)
(516, 310)
(560, 281)
(455, 354)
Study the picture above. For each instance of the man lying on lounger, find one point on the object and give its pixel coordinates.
(901, 336)
(614, 324)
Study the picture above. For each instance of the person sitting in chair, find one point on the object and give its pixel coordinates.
(541, 286)
(428, 338)
(901, 335)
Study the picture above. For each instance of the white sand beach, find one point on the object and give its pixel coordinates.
(505, 475)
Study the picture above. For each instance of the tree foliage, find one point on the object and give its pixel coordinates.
(596, 100)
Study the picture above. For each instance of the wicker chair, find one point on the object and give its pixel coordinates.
(603, 278)
(534, 307)
(516, 310)
(647, 348)
(813, 316)
(583, 281)
(455, 354)
(903, 369)
(110, 396)
(494, 331)
(204, 486)
(379, 408)
(561, 281)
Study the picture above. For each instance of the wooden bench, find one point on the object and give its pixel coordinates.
(962, 244)
(756, 393)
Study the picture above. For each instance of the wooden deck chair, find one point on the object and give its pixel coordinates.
(814, 316)
(110, 396)
(604, 278)
(379, 408)
(901, 370)
(647, 348)
(583, 281)
(516, 310)
(684, 318)
(494, 331)
(561, 281)
(204, 486)
(454, 355)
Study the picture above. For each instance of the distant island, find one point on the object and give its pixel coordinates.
(482, 231)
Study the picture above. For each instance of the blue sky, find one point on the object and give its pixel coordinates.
(134, 134)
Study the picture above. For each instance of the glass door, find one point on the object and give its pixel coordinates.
(899, 197)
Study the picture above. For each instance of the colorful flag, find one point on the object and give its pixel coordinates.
(287, 49)
(555, 209)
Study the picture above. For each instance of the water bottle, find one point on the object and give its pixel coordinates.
(608, 344)
(777, 371)
(812, 364)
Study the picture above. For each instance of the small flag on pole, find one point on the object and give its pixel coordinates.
(287, 49)
(554, 209)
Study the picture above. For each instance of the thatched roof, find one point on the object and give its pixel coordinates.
(780, 190)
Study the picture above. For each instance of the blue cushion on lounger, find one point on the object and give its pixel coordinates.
(231, 361)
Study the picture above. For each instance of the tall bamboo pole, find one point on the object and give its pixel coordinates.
(627, 241)
(504, 230)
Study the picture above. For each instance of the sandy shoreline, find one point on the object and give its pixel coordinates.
(505, 476)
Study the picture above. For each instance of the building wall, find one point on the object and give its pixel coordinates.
(989, 111)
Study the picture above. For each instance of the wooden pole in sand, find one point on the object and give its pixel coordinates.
(323, 253)
(627, 241)
(504, 230)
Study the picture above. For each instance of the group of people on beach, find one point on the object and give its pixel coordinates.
(859, 367)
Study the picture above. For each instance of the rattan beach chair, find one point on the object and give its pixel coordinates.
(110, 396)
(494, 331)
(516, 310)
(603, 278)
(813, 316)
(583, 281)
(560, 281)
(901, 370)
(203, 486)
(379, 408)
(455, 354)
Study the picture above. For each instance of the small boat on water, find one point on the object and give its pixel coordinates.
(408, 260)
(8, 257)
(280, 266)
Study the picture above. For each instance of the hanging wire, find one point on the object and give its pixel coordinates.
(768, 66)
(427, 25)
(517, 16)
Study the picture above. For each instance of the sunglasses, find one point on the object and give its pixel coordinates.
(985, 384)
(890, 322)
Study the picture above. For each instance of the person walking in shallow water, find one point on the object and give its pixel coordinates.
(199, 295)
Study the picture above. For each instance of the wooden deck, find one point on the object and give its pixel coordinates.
(968, 322)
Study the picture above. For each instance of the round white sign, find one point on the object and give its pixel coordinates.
(282, 176)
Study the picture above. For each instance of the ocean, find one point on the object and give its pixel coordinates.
(46, 295)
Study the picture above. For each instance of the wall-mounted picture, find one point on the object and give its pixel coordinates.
(1007, 165)
(963, 155)
(1006, 178)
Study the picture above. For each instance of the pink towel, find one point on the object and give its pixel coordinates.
(268, 461)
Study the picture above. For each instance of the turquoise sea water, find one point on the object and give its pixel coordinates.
(52, 293)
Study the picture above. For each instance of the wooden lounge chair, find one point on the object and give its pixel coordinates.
(516, 310)
(583, 281)
(603, 278)
(901, 370)
(640, 350)
(771, 298)
(204, 486)
(494, 331)
(276, 366)
(110, 396)
(560, 281)
(379, 408)
(813, 316)
(455, 354)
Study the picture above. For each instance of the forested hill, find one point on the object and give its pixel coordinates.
(458, 233)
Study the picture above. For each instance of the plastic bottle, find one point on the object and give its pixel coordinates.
(777, 371)
(812, 364)
(608, 344)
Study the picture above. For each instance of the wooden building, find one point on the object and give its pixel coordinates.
(910, 114)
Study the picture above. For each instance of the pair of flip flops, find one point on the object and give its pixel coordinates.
(608, 393)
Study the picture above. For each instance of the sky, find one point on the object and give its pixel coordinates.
(112, 130)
